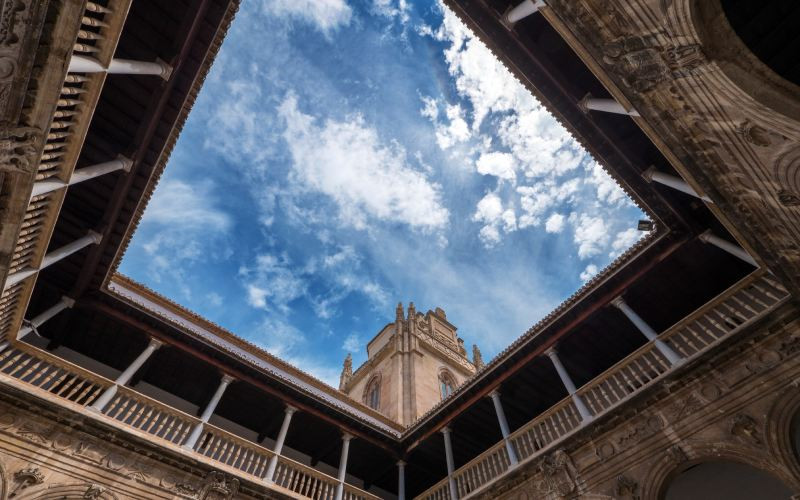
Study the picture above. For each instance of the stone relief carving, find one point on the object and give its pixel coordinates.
(218, 486)
(676, 454)
(644, 427)
(627, 488)
(558, 475)
(8, 21)
(94, 491)
(23, 478)
(745, 427)
(18, 150)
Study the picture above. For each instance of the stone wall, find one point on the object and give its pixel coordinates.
(736, 404)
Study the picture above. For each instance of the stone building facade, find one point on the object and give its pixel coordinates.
(411, 365)
(676, 366)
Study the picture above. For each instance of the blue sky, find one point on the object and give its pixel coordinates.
(345, 155)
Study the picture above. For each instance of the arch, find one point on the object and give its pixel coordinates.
(783, 432)
(722, 45)
(447, 383)
(724, 480)
(372, 392)
(680, 458)
(67, 491)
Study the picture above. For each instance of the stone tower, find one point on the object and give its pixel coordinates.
(412, 364)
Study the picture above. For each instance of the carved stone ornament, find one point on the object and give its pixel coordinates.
(746, 428)
(790, 346)
(217, 486)
(94, 491)
(559, 475)
(676, 455)
(18, 150)
(627, 488)
(30, 476)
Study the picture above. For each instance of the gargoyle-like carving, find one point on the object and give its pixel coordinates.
(676, 454)
(217, 486)
(29, 476)
(746, 427)
(8, 21)
(94, 491)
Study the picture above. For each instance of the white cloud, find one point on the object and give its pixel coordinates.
(624, 240)
(214, 299)
(399, 9)
(490, 212)
(449, 132)
(591, 234)
(498, 164)
(352, 343)
(325, 15)
(183, 205)
(607, 189)
(588, 273)
(365, 178)
(273, 283)
(554, 223)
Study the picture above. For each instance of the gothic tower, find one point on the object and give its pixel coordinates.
(412, 364)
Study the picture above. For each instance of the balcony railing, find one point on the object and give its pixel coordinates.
(51, 377)
(723, 316)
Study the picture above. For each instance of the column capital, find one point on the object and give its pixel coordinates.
(155, 343)
(227, 379)
(401, 463)
(583, 104)
(346, 436)
(289, 409)
(618, 302)
(68, 301)
(552, 352)
(446, 430)
(127, 163)
(96, 237)
(705, 236)
(648, 174)
(495, 393)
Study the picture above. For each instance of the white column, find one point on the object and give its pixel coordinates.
(343, 465)
(126, 375)
(607, 105)
(523, 10)
(273, 462)
(401, 480)
(586, 415)
(210, 407)
(653, 175)
(84, 64)
(40, 319)
(736, 250)
(82, 174)
(54, 256)
(501, 418)
(448, 451)
(672, 356)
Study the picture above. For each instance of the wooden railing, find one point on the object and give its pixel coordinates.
(97, 37)
(66, 381)
(52, 375)
(149, 416)
(729, 312)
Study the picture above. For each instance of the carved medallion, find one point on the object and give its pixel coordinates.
(559, 475)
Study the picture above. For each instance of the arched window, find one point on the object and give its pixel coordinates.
(372, 394)
(446, 384)
(723, 480)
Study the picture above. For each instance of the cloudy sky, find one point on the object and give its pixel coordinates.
(345, 155)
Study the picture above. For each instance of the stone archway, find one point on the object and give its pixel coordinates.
(724, 480)
(67, 492)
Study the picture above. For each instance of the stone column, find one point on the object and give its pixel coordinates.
(589, 103)
(522, 10)
(672, 356)
(501, 419)
(83, 64)
(40, 319)
(343, 465)
(448, 450)
(92, 238)
(401, 480)
(191, 441)
(126, 375)
(82, 174)
(586, 415)
(653, 175)
(273, 462)
(735, 250)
